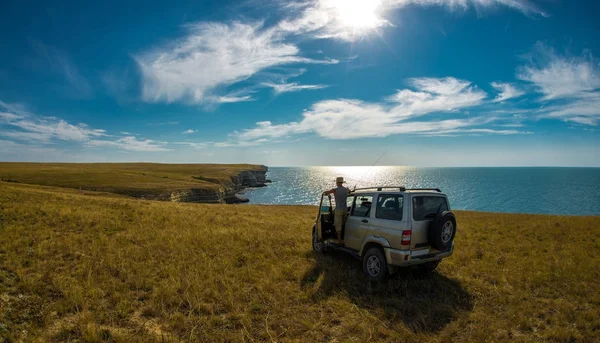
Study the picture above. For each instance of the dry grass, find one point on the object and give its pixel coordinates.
(82, 268)
(132, 179)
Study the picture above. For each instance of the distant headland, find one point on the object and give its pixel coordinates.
(201, 183)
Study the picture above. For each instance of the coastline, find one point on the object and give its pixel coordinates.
(199, 183)
(230, 193)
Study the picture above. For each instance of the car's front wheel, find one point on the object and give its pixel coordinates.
(374, 265)
(316, 244)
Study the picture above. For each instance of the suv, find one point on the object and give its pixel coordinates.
(390, 227)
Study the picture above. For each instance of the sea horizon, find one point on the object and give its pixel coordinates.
(399, 166)
(529, 190)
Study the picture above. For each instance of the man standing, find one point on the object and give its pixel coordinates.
(341, 197)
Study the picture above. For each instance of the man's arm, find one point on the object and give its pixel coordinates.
(332, 191)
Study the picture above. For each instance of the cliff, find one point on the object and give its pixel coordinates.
(203, 183)
(227, 193)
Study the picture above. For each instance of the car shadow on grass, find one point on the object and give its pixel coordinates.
(423, 302)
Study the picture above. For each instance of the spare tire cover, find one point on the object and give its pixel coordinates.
(442, 231)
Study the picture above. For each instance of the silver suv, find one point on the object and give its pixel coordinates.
(389, 227)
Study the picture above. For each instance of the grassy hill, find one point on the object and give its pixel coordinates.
(131, 179)
(90, 267)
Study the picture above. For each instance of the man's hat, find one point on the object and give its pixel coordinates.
(339, 179)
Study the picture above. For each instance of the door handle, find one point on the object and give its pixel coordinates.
(365, 221)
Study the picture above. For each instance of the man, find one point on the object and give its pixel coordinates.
(341, 197)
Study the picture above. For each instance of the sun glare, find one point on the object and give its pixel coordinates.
(358, 14)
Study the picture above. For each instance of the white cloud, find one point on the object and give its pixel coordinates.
(26, 136)
(230, 99)
(212, 56)
(196, 145)
(580, 110)
(436, 95)
(350, 118)
(164, 123)
(130, 143)
(265, 129)
(507, 91)
(339, 19)
(280, 85)
(189, 131)
(44, 129)
(5, 116)
(352, 20)
(444, 86)
(558, 76)
(483, 131)
(570, 85)
(26, 152)
(525, 6)
(47, 130)
(240, 144)
(13, 109)
(291, 87)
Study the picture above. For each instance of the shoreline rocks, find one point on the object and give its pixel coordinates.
(229, 193)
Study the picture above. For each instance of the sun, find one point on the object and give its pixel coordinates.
(360, 15)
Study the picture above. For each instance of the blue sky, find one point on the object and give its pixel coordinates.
(323, 82)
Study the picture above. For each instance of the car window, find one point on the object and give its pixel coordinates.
(427, 207)
(389, 206)
(349, 203)
(362, 206)
(326, 205)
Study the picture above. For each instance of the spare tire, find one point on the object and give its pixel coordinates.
(442, 230)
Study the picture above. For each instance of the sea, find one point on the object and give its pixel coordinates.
(543, 190)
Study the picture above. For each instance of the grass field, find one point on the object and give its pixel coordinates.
(81, 266)
(131, 179)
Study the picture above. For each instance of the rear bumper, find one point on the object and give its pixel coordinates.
(403, 258)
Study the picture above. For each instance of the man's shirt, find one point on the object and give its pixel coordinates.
(341, 197)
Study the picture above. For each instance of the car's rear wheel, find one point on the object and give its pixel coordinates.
(374, 264)
(317, 245)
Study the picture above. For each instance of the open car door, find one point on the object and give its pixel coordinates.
(325, 218)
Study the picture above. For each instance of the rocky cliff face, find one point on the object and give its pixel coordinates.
(227, 193)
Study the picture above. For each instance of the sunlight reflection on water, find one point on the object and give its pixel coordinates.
(524, 190)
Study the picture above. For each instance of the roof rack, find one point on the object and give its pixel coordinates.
(425, 189)
(401, 188)
(379, 188)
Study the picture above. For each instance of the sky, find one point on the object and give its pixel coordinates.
(301, 83)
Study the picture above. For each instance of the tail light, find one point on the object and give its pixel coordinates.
(406, 237)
